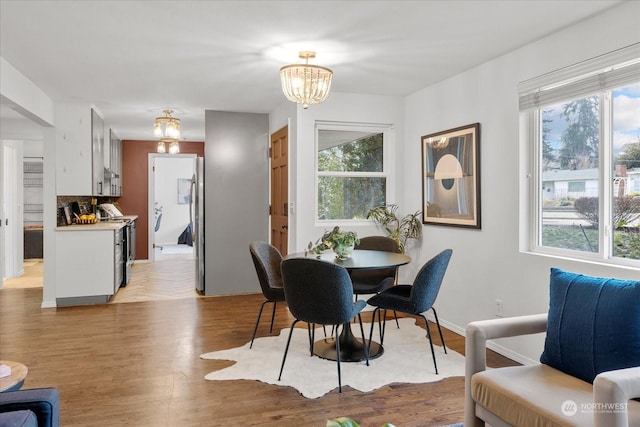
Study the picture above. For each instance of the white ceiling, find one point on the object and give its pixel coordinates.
(132, 59)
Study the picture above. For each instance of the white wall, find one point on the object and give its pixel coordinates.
(348, 108)
(29, 100)
(24, 96)
(175, 216)
(33, 148)
(12, 207)
(487, 264)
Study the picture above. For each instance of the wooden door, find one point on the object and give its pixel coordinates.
(278, 153)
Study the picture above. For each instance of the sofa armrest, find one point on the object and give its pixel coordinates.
(44, 402)
(614, 389)
(477, 334)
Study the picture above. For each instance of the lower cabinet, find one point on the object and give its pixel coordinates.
(88, 266)
(119, 260)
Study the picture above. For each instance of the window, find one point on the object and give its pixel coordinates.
(582, 125)
(577, 187)
(352, 172)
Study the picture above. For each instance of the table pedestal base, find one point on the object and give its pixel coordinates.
(326, 349)
(352, 349)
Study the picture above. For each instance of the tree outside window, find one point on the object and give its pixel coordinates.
(574, 176)
(351, 174)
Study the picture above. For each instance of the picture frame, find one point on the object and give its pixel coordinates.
(184, 191)
(451, 177)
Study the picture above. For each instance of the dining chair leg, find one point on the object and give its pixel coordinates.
(395, 314)
(338, 361)
(273, 316)
(255, 329)
(433, 353)
(380, 323)
(312, 340)
(373, 325)
(439, 329)
(364, 343)
(383, 327)
(286, 350)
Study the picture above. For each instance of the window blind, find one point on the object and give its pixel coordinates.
(609, 71)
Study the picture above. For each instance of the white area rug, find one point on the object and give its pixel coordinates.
(406, 359)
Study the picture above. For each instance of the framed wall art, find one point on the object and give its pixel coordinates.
(451, 177)
(184, 191)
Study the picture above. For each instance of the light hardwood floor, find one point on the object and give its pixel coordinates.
(137, 364)
(170, 277)
(32, 277)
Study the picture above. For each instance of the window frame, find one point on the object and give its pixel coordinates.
(387, 166)
(565, 85)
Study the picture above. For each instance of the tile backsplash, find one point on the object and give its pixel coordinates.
(83, 201)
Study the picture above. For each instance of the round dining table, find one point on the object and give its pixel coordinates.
(352, 349)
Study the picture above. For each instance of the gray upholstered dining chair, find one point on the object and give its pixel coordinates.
(319, 292)
(417, 298)
(376, 280)
(267, 259)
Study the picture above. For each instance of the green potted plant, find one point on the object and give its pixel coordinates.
(399, 229)
(342, 243)
(348, 422)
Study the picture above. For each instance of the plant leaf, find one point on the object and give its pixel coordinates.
(342, 422)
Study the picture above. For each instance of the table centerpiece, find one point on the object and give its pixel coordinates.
(341, 242)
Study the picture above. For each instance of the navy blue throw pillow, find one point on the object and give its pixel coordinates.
(593, 324)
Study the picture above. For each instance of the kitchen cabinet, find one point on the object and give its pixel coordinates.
(79, 150)
(89, 264)
(115, 164)
(97, 154)
(119, 260)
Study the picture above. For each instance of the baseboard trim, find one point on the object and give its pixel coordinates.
(48, 304)
(500, 349)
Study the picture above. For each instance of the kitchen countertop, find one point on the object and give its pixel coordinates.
(100, 225)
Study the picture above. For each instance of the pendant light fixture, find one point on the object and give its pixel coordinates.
(305, 83)
(167, 128)
(174, 146)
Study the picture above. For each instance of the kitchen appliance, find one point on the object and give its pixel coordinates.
(196, 217)
(129, 254)
(110, 210)
(120, 262)
(75, 209)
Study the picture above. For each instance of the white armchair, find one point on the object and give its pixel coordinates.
(540, 395)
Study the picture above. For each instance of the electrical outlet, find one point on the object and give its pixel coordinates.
(499, 311)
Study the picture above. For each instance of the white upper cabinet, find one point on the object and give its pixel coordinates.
(97, 152)
(115, 164)
(79, 150)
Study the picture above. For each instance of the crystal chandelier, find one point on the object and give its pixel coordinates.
(304, 83)
(167, 128)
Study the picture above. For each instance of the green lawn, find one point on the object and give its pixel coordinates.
(626, 243)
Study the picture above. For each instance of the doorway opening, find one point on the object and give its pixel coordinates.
(170, 207)
(21, 201)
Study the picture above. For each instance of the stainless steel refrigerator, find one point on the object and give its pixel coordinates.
(196, 213)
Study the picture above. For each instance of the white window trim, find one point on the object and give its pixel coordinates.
(562, 85)
(388, 155)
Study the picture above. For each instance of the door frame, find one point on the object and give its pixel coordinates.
(2, 213)
(11, 205)
(151, 197)
(290, 207)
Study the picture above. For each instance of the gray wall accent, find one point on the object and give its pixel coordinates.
(236, 193)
